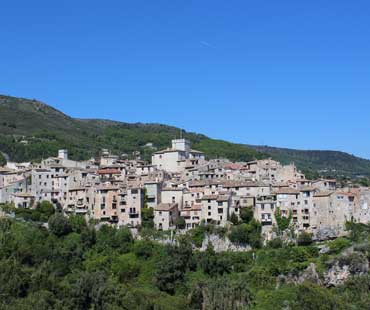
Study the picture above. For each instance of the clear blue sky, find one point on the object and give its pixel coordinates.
(283, 73)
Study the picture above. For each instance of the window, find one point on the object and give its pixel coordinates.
(209, 213)
(220, 203)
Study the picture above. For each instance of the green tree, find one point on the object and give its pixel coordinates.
(77, 223)
(59, 225)
(147, 217)
(46, 209)
(247, 234)
(222, 293)
(246, 214)
(234, 219)
(180, 223)
(214, 264)
(2, 160)
(171, 268)
(126, 267)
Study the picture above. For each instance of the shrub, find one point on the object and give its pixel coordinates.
(304, 239)
(275, 243)
(180, 223)
(126, 267)
(338, 245)
(59, 225)
(247, 234)
(246, 214)
(234, 219)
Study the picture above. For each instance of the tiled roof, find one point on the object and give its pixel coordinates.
(165, 207)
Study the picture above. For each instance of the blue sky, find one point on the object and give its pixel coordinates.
(283, 73)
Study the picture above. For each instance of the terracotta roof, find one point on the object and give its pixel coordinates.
(222, 198)
(109, 171)
(288, 191)
(229, 184)
(195, 207)
(323, 194)
(24, 195)
(165, 207)
(167, 189)
(233, 166)
(307, 189)
(209, 197)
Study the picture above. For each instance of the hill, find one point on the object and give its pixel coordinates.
(31, 130)
(329, 163)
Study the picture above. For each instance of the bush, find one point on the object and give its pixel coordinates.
(147, 215)
(143, 248)
(214, 264)
(275, 243)
(338, 245)
(180, 223)
(247, 234)
(126, 267)
(234, 219)
(59, 225)
(77, 223)
(304, 239)
(246, 214)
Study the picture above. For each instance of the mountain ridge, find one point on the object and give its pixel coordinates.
(31, 130)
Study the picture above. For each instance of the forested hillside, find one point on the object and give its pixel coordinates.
(325, 162)
(31, 130)
(71, 265)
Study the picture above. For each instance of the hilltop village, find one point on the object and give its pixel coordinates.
(182, 186)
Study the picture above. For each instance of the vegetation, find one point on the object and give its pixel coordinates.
(31, 130)
(2, 160)
(283, 222)
(304, 238)
(315, 163)
(247, 234)
(73, 266)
